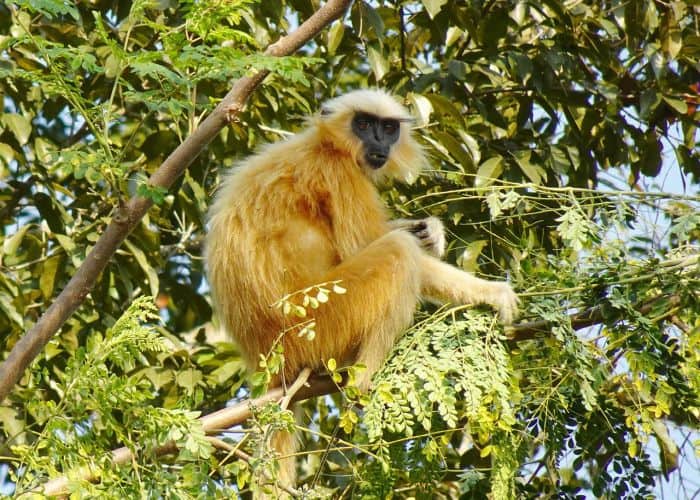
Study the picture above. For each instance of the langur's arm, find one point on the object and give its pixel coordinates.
(445, 283)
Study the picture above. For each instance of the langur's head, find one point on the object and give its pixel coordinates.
(376, 131)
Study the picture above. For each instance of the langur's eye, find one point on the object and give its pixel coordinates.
(362, 124)
(390, 127)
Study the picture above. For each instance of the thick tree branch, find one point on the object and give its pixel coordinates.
(127, 218)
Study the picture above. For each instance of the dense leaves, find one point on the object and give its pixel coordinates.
(564, 151)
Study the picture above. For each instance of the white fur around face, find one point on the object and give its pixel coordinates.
(371, 101)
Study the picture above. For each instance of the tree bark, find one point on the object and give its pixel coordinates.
(126, 218)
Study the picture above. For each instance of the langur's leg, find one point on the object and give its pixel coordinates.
(383, 289)
(446, 283)
(382, 286)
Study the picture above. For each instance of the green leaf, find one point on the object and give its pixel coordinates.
(11, 244)
(489, 171)
(373, 19)
(66, 242)
(457, 151)
(433, 6)
(51, 212)
(377, 63)
(681, 107)
(685, 225)
(6, 153)
(335, 36)
(6, 304)
(144, 264)
(156, 194)
(648, 102)
(159, 377)
(445, 107)
(188, 379)
(47, 279)
(650, 161)
(533, 172)
(20, 125)
(422, 107)
(469, 258)
(12, 424)
(51, 8)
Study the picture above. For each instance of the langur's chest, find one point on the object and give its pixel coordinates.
(354, 229)
(350, 213)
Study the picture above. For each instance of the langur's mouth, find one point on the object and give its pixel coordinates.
(376, 159)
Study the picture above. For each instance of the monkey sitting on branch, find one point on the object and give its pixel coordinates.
(305, 211)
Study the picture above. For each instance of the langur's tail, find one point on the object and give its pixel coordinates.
(285, 445)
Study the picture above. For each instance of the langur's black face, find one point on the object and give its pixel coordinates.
(377, 136)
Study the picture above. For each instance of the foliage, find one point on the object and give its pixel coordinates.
(458, 396)
(103, 398)
(564, 145)
(442, 375)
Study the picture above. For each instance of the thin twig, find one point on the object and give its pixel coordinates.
(298, 384)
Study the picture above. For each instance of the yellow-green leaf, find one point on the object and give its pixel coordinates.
(433, 6)
(6, 153)
(335, 36)
(379, 65)
(11, 244)
(469, 257)
(489, 171)
(20, 126)
(141, 259)
(47, 279)
(680, 106)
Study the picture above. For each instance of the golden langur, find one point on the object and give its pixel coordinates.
(305, 211)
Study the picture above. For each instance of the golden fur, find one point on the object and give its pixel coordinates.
(306, 211)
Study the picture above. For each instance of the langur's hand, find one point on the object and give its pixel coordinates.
(504, 300)
(431, 234)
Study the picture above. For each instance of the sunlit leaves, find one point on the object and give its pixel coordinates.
(297, 306)
(441, 374)
(378, 63)
(20, 126)
(576, 229)
(154, 193)
(50, 8)
(433, 6)
(96, 383)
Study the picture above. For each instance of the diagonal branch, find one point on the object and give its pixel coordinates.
(128, 217)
